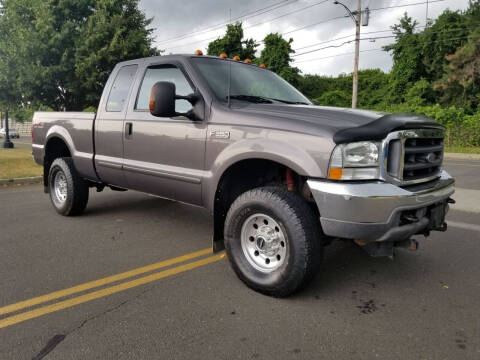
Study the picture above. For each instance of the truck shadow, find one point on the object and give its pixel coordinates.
(347, 267)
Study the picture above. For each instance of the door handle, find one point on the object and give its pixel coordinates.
(128, 130)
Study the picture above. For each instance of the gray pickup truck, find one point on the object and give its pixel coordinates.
(281, 176)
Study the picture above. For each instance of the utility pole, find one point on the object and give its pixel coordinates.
(426, 15)
(356, 16)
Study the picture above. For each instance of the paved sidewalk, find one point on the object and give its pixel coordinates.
(467, 200)
(462, 156)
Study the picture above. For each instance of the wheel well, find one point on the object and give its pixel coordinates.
(54, 149)
(243, 176)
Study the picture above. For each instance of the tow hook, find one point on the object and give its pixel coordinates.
(442, 227)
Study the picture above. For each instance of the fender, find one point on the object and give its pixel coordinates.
(61, 133)
(83, 161)
(296, 158)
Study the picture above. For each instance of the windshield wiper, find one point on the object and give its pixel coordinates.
(290, 102)
(251, 98)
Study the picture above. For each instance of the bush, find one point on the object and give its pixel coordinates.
(334, 98)
(462, 129)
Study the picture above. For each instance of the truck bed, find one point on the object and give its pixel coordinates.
(76, 131)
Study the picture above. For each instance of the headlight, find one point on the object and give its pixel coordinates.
(355, 161)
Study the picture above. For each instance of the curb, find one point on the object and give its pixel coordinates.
(27, 180)
(461, 156)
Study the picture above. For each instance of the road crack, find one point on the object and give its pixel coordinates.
(58, 338)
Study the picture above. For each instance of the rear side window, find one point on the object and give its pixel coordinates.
(168, 73)
(119, 92)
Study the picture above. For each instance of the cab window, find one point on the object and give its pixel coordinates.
(121, 86)
(164, 73)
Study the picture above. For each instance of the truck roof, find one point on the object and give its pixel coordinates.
(182, 56)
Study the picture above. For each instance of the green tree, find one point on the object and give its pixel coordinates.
(61, 50)
(233, 44)
(116, 31)
(442, 38)
(408, 64)
(460, 84)
(276, 57)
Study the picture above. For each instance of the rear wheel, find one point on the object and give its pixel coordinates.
(273, 240)
(68, 191)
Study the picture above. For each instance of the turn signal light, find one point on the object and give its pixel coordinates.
(236, 58)
(223, 55)
(199, 52)
(151, 103)
(335, 173)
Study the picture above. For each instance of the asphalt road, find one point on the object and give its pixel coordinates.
(422, 305)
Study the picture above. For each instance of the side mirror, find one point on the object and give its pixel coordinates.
(162, 99)
(162, 102)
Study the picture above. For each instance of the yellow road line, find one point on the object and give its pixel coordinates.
(105, 292)
(100, 282)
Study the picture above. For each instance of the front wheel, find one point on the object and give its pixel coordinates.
(68, 191)
(273, 240)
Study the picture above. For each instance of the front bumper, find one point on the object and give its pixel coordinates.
(377, 211)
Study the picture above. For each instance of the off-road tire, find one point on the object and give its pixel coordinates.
(300, 227)
(76, 188)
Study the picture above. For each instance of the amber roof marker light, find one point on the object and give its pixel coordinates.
(198, 52)
(223, 55)
(262, 66)
(248, 61)
(236, 58)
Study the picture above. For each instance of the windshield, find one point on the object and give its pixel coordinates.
(247, 82)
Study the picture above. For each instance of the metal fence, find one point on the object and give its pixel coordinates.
(24, 129)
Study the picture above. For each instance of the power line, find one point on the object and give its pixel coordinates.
(371, 32)
(341, 17)
(375, 49)
(405, 5)
(344, 43)
(340, 38)
(286, 14)
(317, 23)
(251, 14)
(332, 56)
(260, 23)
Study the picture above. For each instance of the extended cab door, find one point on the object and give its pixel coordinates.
(109, 126)
(164, 156)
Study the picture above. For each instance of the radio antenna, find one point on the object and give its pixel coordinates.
(229, 69)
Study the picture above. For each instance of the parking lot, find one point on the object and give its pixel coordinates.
(145, 285)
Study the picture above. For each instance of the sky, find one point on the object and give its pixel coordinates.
(183, 26)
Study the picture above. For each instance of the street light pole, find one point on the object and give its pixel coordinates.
(7, 144)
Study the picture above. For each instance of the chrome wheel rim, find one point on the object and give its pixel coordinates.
(60, 187)
(263, 243)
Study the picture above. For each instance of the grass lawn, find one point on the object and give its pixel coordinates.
(18, 163)
(462, 149)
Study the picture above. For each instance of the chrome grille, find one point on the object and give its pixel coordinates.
(423, 158)
(413, 156)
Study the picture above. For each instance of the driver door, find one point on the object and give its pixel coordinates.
(164, 156)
